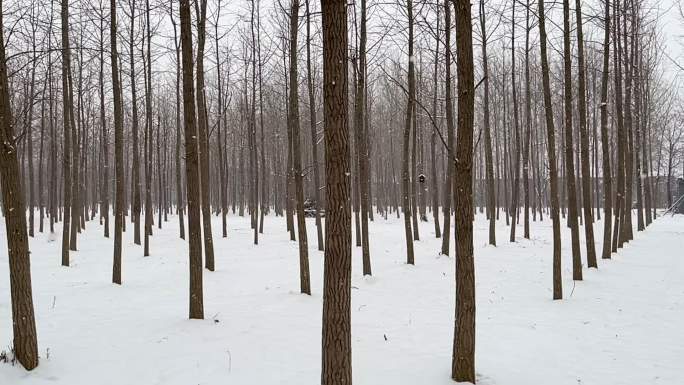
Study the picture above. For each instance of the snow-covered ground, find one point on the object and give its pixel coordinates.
(621, 325)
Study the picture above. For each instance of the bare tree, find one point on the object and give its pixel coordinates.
(569, 149)
(489, 166)
(23, 320)
(118, 148)
(362, 140)
(607, 178)
(551, 144)
(191, 166)
(584, 141)
(410, 107)
(463, 358)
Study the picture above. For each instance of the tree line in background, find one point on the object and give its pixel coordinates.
(201, 101)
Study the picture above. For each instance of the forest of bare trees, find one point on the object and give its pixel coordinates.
(349, 113)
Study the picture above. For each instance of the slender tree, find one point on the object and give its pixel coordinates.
(569, 149)
(293, 123)
(584, 142)
(23, 320)
(314, 136)
(362, 141)
(463, 358)
(68, 112)
(489, 163)
(191, 166)
(410, 106)
(605, 151)
(551, 144)
(118, 148)
(203, 134)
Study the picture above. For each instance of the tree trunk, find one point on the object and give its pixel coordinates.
(314, 136)
(463, 358)
(618, 236)
(203, 134)
(118, 150)
(569, 149)
(336, 341)
(180, 207)
(68, 112)
(605, 151)
(23, 321)
(433, 160)
(362, 141)
(191, 166)
(516, 126)
(293, 122)
(528, 127)
(135, 173)
(104, 185)
(448, 186)
(551, 144)
(406, 183)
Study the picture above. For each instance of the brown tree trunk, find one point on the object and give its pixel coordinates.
(118, 149)
(180, 207)
(293, 123)
(253, 158)
(584, 142)
(605, 151)
(618, 236)
(489, 163)
(336, 342)
(528, 127)
(553, 171)
(569, 149)
(515, 176)
(104, 184)
(68, 112)
(23, 321)
(147, 69)
(191, 166)
(314, 136)
(433, 160)
(449, 107)
(135, 174)
(463, 358)
(406, 180)
(362, 141)
(264, 203)
(203, 134)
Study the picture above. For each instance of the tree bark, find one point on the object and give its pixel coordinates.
(118, 149)
(191, 166)
(68, 112)
(406, 180)
(463, 358)
(449, 107)
(362, 141)
(293, 122)
(314, 136)
(23, 321)
(553, 171)
(203, 134)
(569, 149)
(336, 330)
(605, 151)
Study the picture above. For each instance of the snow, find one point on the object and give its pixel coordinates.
(621, 325)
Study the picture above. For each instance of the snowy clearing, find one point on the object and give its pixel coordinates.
(621, 325)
